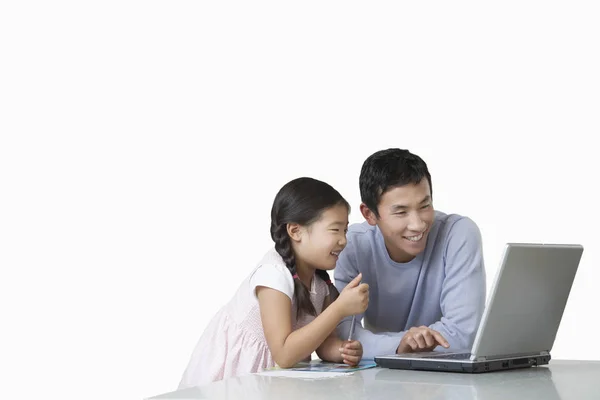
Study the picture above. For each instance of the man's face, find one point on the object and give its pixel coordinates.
(405, 217)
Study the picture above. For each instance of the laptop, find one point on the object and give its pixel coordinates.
(521, 319)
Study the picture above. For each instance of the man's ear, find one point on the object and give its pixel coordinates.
(295, 232)
(368, 214)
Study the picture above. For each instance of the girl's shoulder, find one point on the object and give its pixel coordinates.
(271, 257)
(272, 272)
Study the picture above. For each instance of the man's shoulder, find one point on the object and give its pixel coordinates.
(361, 239)
(361, 232)
(447, 224)
(360, 247)
(455, 233)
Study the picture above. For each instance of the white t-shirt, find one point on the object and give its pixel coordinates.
(233, 344)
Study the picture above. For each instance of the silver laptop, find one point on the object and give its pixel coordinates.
(521, 318)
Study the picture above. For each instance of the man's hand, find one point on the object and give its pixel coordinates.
(421, 339)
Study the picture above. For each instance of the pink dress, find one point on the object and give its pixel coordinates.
(234, 343)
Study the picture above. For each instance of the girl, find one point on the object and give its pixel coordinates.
(284, 310)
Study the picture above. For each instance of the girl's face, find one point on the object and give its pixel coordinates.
(319, 244)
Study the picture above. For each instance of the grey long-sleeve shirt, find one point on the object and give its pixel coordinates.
(444, 287)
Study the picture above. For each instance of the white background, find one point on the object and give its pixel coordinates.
(142, 144)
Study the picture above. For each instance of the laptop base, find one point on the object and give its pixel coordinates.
(472, 367)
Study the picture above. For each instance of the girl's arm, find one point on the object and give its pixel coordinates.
(287, 347)
(329, 350)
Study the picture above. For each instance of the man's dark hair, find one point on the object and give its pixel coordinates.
(387, 169)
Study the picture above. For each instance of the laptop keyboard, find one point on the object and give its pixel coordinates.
(455, 356)
(437, 354)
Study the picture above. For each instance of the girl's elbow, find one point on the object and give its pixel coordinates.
(286, 365)
(284, 362)
(321, 354)
(282, 358)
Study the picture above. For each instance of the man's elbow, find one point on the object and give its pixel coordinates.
(459, 337)
(466, 338)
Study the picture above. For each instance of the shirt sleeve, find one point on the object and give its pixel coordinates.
(273, 276)
(463, 294)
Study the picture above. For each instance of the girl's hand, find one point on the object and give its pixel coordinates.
(354, 299)
(352, 352)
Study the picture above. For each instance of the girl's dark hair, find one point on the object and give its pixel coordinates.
(302, 201)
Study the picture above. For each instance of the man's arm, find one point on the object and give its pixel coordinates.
(464, 289)
(373, 344)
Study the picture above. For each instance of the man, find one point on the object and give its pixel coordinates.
(424, 268)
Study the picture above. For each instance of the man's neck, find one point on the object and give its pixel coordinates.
(398, 255)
